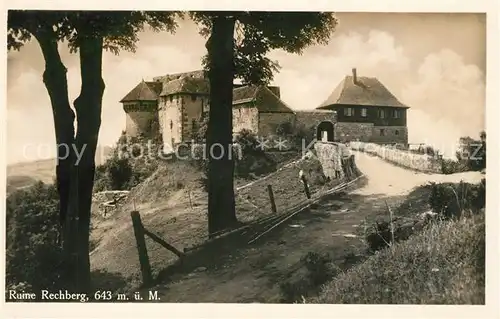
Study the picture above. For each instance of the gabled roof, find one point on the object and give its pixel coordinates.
(262, 97)
(186, 84)
(366, 91)
(200, 74)
(144, 91)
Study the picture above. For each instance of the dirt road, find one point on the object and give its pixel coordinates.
(254, 272)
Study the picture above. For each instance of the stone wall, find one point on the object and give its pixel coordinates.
(419, 162)
(330, 155)
(390, 134)
(170, 120)
(140, 118)
(245, 117)
(192, 110)
(269, 122)
(313, 118)
(346, 132)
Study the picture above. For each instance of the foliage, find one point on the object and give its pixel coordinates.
(472, 153)
(250, 157)
(200, 135)
(33, 257)
(452, 200)
(262, 32)
(284, 129)
(303, 134)
(119, 28)
(129, 164)
(471, 156)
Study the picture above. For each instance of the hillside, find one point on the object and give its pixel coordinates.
(24, 174)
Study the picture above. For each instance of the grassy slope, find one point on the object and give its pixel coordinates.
(177, 213)
(444, 264)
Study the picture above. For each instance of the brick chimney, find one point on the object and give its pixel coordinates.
(354, 76)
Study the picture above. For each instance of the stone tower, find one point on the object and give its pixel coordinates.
(141, 108)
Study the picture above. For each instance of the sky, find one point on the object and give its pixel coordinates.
(434, 63)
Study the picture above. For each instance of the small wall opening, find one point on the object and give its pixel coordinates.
(325, 131)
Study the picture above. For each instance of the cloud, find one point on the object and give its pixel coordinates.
(448, 97)
(308, 79)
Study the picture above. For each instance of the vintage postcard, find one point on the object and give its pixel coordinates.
(312, 157)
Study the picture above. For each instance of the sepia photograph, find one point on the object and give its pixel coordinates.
(241, 157)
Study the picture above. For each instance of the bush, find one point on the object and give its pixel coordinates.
(119, 173)
(32, 224)
(449, 166)
(251, 158)
(200, 135)
(451, 200)
(284, 129)
(303, 133)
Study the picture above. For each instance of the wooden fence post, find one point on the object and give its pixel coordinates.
(147, 278)
(271, 197)
(306, 187)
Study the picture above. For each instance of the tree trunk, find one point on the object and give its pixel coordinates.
(88, 107)
(221, 203)
(54, 78)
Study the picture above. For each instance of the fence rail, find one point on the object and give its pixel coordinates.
(255, 229)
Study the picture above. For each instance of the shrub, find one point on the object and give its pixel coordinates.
(33, 257)
(200, 134)
(119, 172)
(449, 166)
(451, 200)
(303, 133)
(253, 159)
(284, 129)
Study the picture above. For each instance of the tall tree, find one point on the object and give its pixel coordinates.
(259, 33)
(88, 33)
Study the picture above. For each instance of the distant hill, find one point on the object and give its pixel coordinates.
(25, 174)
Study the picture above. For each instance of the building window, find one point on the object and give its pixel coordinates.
(193, 98)
(171, 98)
(381, 114)
(396, 132)
(193, 125)
(397, 115)
(348, 111)
(382, 132)
(363, 112)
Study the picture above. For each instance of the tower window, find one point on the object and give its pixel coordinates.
(396, 132)
(363, 112)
